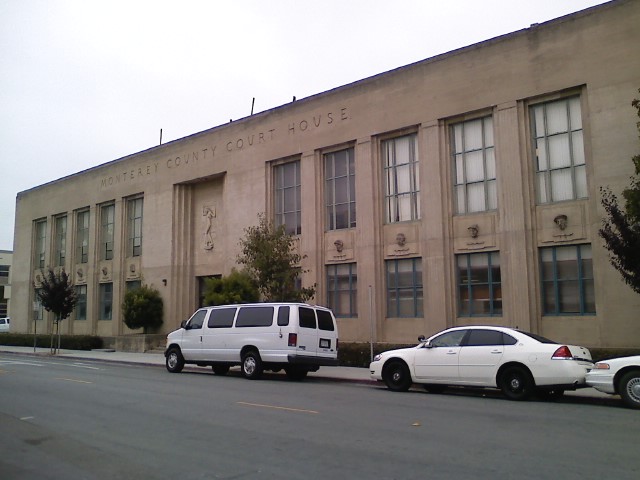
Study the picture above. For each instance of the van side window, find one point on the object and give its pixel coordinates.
(325, 322)
(307, 317)
(283, 316)
(197, 319)
(255, 317)
(221, 318)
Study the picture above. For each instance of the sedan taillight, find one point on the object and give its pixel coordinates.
(562, 353)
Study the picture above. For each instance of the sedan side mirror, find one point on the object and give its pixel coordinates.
(421, 338)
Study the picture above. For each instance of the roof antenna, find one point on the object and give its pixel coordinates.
(294, 98)
(252, 104)
(160, 136)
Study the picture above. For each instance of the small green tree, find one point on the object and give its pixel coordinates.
(57, 295)
(621, 227)
(142, 307)
(269, 257)
(237, 287)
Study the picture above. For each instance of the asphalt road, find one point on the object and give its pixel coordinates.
(65, 419)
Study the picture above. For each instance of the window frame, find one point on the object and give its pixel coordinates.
(105, 301)
(330, 180)
(390, 176)
(80, 310)
(490, 195)
(582, 280)
(107, 230)
(470, 286)
(416, 289)
(60, 226)
(546, 195)
(40, 243)
(333, 292)
(280, 195)
(135, 213)
(83, 217)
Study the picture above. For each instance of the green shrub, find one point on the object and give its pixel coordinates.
(68, 342)
(142, 308)
(359, 354)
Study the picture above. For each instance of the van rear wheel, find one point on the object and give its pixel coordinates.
(251, 365)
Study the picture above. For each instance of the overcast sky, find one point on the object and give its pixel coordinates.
(84, 82)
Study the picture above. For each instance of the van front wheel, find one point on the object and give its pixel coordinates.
(174, 360)
(251, 365)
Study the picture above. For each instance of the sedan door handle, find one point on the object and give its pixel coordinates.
(498, 352)
(451, 353)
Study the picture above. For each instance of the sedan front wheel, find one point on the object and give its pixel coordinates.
(629, 388)
(396, 376)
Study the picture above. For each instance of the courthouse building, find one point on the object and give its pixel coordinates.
(461, 189)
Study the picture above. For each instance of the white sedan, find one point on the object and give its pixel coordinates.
(516, 362)
(618, 376)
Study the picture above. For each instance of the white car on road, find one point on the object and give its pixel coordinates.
(618, 376)
(516, 362)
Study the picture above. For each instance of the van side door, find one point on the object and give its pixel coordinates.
(216, 333)
(191, 344)
(307, 332)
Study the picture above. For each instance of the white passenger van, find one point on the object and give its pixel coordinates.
(296, 337)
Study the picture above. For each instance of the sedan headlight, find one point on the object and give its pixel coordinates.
(377, 358)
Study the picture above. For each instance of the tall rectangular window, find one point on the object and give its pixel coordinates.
(107, 221)
(105, 301)
(479, 284)
(134, 227)
(340, 189)
(474, 165)
(82, 237)
(559, 150)
(342, 289)
(61, 240)
(288, 210)
(401, 179)
(81, 305)
(567, 280)
(404, 288)
(40, 243)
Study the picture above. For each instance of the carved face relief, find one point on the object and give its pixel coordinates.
(474, 231)
(561, 222)
(401, 239)
(339, 244)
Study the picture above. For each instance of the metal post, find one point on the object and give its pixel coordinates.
(371, 320)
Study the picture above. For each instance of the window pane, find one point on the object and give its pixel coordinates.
(581, 181)
(476, 197)
(561, 185)
(556, 117)
(559, 151)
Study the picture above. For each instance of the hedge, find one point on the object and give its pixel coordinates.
(67, 342)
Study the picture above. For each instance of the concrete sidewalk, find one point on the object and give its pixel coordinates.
(341, 374)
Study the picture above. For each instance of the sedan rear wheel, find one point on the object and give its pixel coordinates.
(396, 376)
(516, 383)
(629, 388)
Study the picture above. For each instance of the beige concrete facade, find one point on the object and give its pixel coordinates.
(199, 193)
